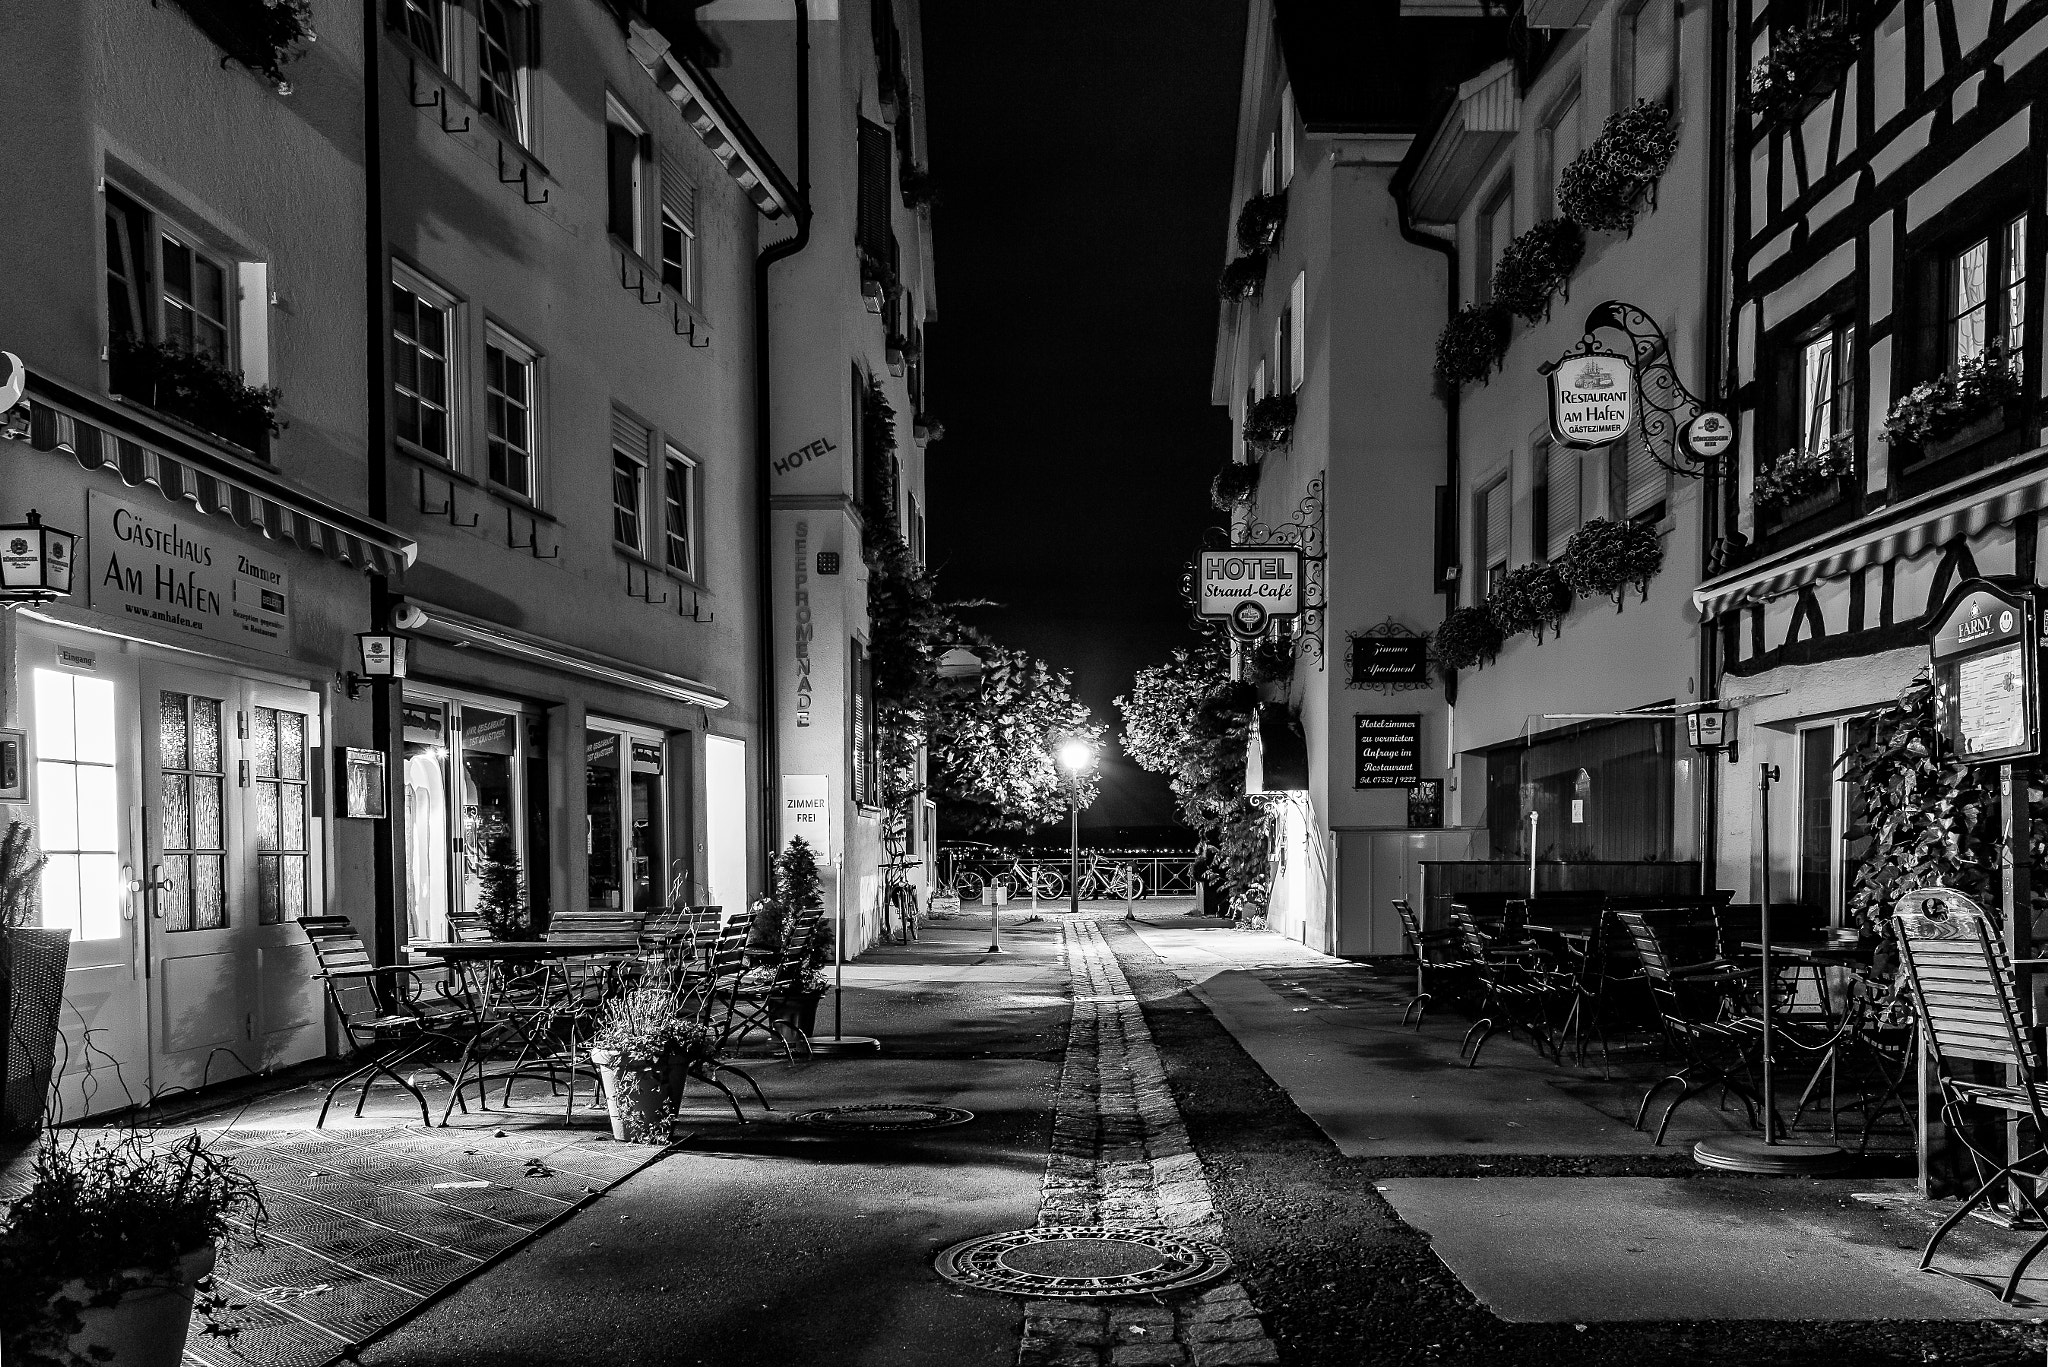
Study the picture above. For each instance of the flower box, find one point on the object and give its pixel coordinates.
(1983, 429)
(1789, 514)
(894, 356)
(871, 293)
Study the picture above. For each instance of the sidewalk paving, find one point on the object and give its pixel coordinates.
(1553, 1248)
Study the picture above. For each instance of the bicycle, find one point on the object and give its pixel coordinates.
(899, 902)
(1118, 883)
(1042, 881)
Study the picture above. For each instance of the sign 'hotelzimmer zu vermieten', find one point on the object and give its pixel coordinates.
(156, 564)
(1389, 750)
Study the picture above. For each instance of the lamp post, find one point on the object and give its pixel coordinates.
(1075, 757)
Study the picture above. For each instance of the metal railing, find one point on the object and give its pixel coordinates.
(1163, 873)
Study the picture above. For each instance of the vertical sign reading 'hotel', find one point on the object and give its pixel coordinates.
(157, 562)
(1389, 750)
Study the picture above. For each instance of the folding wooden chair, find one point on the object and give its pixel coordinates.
(1969, 1005)
(378, 1006)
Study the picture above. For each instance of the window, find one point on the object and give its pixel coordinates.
(1490, 536)
(625, 802)
(422, 332)
(1817, 817)
(1564, 137)
(859, 445)
(1267, 169)
(425, 25)
(193, 837)
(866, 748)
(282, 849)
(501, 64)
(679, 504)
(1259, 380)
(1984, 296)
(1496, 230)
(1637, 483)
(496, 759)
(1286, 136)
(629, 480)
(77, 804)
(1297, 331)
(195, 300)
(1826, 395)
(623, 146)
(1560, 505)
(871, 224)
(162, 286)
(1647, 51)
(678, 230)
(508, 406)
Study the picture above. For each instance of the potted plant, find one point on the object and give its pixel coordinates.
(1471, 345)
(108, 1250)
(1260, 223)
(501, 883)
(1602, 187)
(1468, 637)
(1270, 662)
(1242, 279)
(1236, 484)
(1269, 423)
(1532, 598)
(1537, 265)
(926, 428)
(196, 389)
(32, 960)
(896, 351)
(1801, 482)
(1958, 409)
(1603, 559)
(919, 190)
(640, 1037)
(260, 34)
(1802, 65)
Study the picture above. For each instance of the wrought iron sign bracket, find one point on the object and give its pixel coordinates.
(1304, 533)
(1665, 404)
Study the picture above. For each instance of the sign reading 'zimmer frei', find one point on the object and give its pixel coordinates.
(158, 562)
(1592, 399)
(1983, 649)
(806, 812)
(1249, 585)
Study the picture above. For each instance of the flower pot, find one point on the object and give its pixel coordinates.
(147, 1326)
(871, 295)
(799, 1009)
(895, 359)
(31, 998)
(636, 1094)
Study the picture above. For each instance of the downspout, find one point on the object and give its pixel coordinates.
(1713, 381)
(384, 731)
(771, 759)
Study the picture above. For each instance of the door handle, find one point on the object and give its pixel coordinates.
(131, 885)
(157, 882)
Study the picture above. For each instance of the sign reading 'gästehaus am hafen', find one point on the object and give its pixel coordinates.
(155, 563)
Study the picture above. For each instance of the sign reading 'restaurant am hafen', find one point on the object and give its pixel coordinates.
(1592, 399)
(156, 562)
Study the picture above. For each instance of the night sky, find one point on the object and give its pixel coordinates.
(1083, 151)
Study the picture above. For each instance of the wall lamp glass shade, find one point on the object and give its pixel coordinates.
(35, 561)
(384, 654)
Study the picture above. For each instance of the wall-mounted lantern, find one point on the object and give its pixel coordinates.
(384, 657)
(35, 561)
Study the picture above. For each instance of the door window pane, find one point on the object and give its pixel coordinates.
(77, 804)
(279, 795)
(604, 819)
(426, 820)
(192, 837)
(648, 824)
(490, 802)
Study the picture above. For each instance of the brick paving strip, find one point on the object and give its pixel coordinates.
(1121, 1156)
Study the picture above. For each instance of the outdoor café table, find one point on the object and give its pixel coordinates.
(488, 990)
(1854, 1031)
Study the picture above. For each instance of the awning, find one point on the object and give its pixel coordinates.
(457, 629)
(1276, 753)
(99, 437)
(1913, 528)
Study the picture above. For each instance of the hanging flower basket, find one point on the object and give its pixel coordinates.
(1242, 279)
(1531, 599)
(1537, 266)
(1605, 559)
(1468, 637)
(1269, 423)
(1260, 224)
(1235, 484)
(1798, 475)
(1943, 408)
(1270, 662)
(918, 189)
(1472, 345)
(1604, 185)
(1801, 65)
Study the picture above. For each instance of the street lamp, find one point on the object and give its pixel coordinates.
(1075, 756)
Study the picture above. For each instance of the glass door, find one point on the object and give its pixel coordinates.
(625, 816)
(80, 696)
(475, 813)
(426, 819)
(284, 727)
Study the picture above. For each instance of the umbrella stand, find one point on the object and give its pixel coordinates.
(839, 1042)
(1770, 1156)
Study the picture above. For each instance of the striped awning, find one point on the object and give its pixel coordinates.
(1891, 534)
(220, 486)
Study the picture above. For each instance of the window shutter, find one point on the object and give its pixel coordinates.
(1297, 307)
(629, 436)
(1497, 523)
(1643, 479)
(872, 225)
(1563, 470)
(678, 191)
(1286, 134)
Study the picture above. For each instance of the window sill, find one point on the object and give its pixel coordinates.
(445, 468)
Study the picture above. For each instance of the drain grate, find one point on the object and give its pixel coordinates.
(884, 1117)
(1082, 1261)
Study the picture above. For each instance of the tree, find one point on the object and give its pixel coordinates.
(501, 883)
(993, 744)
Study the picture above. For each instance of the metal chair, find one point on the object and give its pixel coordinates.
(1700, 1008)
(1513, 991)
(1969, 1004)
(1422, 943)
(381, 1018)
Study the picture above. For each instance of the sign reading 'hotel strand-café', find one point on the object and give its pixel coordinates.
(1249, 586)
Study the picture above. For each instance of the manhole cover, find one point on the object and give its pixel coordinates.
(885, 1116)
(1083, 1260)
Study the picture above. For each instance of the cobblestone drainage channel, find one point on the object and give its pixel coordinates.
(884, 1117)
(1083, 1261)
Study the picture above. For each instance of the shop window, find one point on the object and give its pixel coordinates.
(508, 412)
(422, 363)
(503, 45)
(630, 442)
(278, 780)
(625, 154)
(679, 512)
(192, 837)
(1602, 792)
(678, 230)
(78, 810)
(476, 807)
(626, 820)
